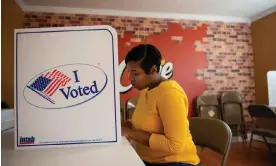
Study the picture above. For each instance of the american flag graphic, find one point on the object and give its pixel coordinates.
(47, 84)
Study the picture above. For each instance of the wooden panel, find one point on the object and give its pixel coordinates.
(264, 48)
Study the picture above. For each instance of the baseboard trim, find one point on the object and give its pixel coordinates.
(255, 137)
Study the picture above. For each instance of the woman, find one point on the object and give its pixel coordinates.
(159, 125)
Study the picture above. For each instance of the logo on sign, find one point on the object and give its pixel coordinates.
(65, 86)
(47, 84)
(27, 140)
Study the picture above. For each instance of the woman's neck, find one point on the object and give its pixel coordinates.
(156, 81)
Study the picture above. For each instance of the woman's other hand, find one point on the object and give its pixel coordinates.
(126, 123)
(126, 132)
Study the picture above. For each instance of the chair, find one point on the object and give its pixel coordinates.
(232, 112)
(217, 138)
(261, 111)
(207, 106)
(130, 107)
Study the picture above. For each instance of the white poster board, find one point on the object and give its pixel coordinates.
(66, 86)
(271, 81)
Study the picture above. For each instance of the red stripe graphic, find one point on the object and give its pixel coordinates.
(58, 79)
(46, 75)
(52, 73)
(63, 81)
(56, 85)
(26, 142)
(53, 83)
(50, 86)
(55, 74)
(67, 80)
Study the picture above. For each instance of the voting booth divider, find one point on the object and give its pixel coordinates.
(66, 87)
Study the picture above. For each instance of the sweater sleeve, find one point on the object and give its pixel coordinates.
(173, 110)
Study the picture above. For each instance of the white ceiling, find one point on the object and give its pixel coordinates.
(246, 10)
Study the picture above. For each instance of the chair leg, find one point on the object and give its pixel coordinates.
(267, 144)
(250, 144)
(242, 131)
(202, 148)
(244, 140)
(245, 135)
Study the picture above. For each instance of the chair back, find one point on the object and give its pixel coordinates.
(217, 137)
(232, 109)
(130, 107)
(261, 111)
(208, 106)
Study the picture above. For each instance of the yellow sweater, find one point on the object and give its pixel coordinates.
(163, 112)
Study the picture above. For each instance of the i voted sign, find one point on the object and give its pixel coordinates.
(64, 86)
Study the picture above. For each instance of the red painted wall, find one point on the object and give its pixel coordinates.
(177, 46)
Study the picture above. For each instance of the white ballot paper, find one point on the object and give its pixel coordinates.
(66, 86)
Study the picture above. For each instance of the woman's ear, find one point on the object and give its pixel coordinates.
(153, 69)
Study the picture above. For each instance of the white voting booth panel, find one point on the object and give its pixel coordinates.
(109, 155)
(66, 87)
(271, 81)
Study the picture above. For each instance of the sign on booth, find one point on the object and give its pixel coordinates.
(66, 86)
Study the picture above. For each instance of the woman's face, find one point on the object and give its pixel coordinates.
(137, 76)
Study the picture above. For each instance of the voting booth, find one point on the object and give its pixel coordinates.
(66, 87)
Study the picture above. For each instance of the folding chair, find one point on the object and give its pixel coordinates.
(232, 112)
(261, 111)
(208, 106)
(217, 138)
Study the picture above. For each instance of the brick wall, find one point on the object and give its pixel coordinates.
(227, 46)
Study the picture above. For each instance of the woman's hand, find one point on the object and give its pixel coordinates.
(137, 135)
(141, 136)
(126, 127)
(126, 132)
(126, 123)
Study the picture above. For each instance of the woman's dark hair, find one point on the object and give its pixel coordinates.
(147, 54)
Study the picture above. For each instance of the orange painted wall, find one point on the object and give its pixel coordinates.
(264, 47)
(12, 18)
